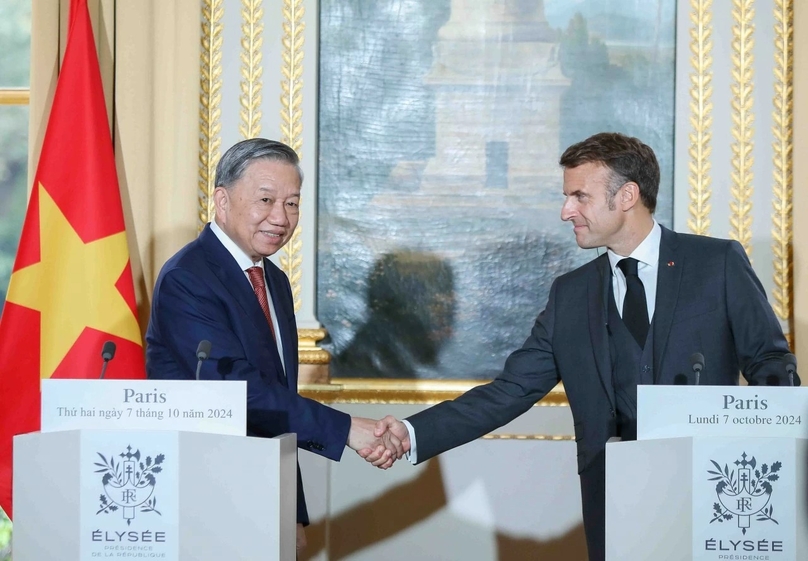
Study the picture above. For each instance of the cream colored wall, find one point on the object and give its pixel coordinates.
(156, 115)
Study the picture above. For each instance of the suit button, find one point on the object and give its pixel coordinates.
(611, 411)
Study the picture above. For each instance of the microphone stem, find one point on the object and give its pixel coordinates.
(103, 369)
(198, 368)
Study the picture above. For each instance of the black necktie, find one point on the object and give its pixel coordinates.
(635, 310)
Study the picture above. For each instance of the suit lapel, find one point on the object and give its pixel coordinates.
(597, 299)
(669, 277)
(238, 286)
(284, 311)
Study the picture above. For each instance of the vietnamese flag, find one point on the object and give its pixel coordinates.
(71, 287)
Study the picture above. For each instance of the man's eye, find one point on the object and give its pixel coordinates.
(265, 200)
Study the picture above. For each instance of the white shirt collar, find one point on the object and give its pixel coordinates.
(238, 254)
(647, 253)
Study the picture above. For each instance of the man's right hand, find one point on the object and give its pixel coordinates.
(381, 450)
(395, 437)
(392, 426)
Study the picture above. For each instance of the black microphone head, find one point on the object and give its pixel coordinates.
(772, 380)
(680, 380)
(203, 350)
(791, 362)
(108, 351)
(697, 362)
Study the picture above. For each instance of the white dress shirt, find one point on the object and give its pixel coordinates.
(647, 255)
(244, 262)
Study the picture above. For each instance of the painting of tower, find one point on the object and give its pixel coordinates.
(441, 126)
(497, 85)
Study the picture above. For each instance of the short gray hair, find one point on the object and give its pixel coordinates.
(232, 165)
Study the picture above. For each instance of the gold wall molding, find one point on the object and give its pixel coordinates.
(307, 350)
(15, 96)
(292, 122)
(210, 97)
(405, 391)
(701, 119)
(555, 438)
(742, 89)
(252, 28)
(783, 187)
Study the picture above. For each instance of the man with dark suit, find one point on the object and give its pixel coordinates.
(634, 315)
(221, 288)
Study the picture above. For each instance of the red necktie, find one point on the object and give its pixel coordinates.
(260, 288)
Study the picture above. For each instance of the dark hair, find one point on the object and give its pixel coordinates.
(627, 158)
(232, 165)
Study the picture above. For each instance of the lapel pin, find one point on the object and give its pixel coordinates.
(671, 263)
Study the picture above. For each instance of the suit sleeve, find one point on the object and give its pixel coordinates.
(759, 341)
(529, 374)
(185, 311)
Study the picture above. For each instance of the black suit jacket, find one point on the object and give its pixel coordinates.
(201, 293)
(708, 300)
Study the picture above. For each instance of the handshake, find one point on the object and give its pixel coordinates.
(381, 442)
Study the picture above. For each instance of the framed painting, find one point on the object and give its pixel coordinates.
(439, 191)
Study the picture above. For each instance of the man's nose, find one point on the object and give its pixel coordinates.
(277, 214)
(567, 210)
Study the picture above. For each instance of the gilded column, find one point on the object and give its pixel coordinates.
(742, 89)
(783, 185)
(701, 120)
(210, 85)
(291, 120)
(252, 29)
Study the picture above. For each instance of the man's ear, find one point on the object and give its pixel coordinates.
(629, 195)
(221, 201)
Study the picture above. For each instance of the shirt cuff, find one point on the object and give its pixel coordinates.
(412, 455)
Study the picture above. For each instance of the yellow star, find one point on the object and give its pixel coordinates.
(73, 286)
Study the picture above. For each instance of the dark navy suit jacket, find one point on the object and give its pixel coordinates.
(708, 300)
(201, 293)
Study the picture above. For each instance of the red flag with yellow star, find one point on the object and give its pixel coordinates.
(71, 287)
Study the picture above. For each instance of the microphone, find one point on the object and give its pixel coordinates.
(202, 353)
(107, 353)
(680, 380)
(697, 364)
(791, 367)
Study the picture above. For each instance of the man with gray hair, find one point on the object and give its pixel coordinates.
(222, 288)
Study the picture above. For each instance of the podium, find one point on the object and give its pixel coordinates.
(151, 480)
(716, 473)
